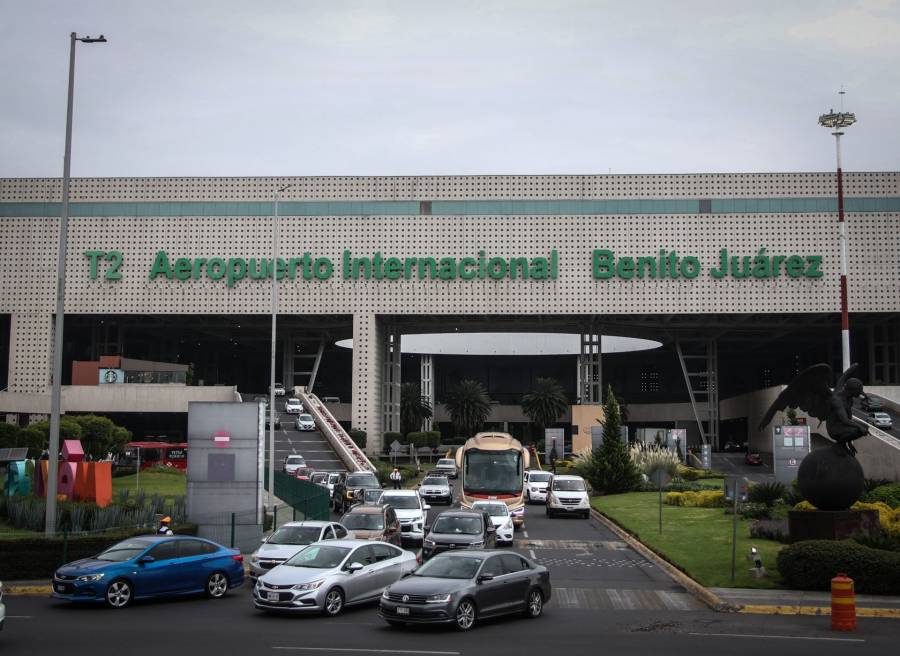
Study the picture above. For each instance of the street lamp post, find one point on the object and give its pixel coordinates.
(836, 121)
(274, 272)
(56, 388)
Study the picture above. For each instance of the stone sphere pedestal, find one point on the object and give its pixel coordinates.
(830, 479)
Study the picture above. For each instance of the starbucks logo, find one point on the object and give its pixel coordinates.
(111, 376)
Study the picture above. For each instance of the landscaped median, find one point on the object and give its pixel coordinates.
(695, 540)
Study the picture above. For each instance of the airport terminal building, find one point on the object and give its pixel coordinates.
(733, 277)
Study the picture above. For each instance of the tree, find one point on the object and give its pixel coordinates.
(611, 469)
(545, 403)
(9, 435)
(98, 435)
(414, 408)
(469, 406)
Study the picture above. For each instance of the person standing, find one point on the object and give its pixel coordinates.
(164, 526)
(396, 477)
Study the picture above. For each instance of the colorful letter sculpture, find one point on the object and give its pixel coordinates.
(17, 482)
(77, 480)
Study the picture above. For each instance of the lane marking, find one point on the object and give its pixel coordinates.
(775, 637)
(371, 651)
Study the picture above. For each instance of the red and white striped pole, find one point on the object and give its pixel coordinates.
(835, 121)
(845, 318)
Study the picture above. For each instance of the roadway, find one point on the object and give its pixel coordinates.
(606, 598)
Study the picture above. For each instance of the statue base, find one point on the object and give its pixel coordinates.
(832, 524)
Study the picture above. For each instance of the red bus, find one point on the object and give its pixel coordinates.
(155, 454)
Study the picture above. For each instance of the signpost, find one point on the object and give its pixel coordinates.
(660, 478)
(735, 491)
(790, 444)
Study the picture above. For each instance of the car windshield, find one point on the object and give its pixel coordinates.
(460, 525)
(295, 460)
(295, 535)
(450, 567)
(305, 418)
(362, 480)
(333, 478)
(401, 502)
(538, 477)
(435, 480)
(363, 521)
(125, 550)
(569, 485)
(318, 477)
(446, 462)
(319, 557)
(493, 509)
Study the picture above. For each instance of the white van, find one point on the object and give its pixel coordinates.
(568, 495)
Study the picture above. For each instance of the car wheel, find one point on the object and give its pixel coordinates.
(534, 604)
(119, 594)
(216, 585)
(334, 602)
(465, 615)
(549, 514)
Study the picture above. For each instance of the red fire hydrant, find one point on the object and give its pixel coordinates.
(843, 604)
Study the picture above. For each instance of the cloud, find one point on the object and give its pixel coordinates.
(872, 27)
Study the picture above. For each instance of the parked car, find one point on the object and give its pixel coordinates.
(144, 567)
(754, 459)
(536, 482)
(292, 463)
(2, 608)
(459, 529)
(568, 495)
(500, 518)
(327, 576)
(436, 488)
(464, 587)
(411, 511)
(293, 406)
(291, 538)
(305, 423)
(279, 389)
(871, 403)
(881, 420)
(333, 478)
(373, 523)
(344, 492)
(733, 447)
(447, 466)
(269, 419)
(304, 473)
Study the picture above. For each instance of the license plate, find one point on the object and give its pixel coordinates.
(272, 596)
(401, 610)
(59, 588)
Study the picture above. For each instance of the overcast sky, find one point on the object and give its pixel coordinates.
(336, 87)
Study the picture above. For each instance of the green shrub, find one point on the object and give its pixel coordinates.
(767, 493)
(770, 529)
(38, 557)
(433, 439)
(754, 510)
(889, 494)
(870, 484)
(879, 541)
(811, 564)
(390, 436)
(416, 438)
(689, 473)
(358, 437)
(703, 499)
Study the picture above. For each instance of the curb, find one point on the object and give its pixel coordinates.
(762, 609)
(699, 591)
(27, 590)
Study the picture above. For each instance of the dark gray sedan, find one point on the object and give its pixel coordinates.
(460, 588)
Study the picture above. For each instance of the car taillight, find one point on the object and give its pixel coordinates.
(238, 558)
(419, 558)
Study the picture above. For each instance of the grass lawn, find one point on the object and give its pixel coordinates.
(168, 483)
(8, 531)
(698, 540)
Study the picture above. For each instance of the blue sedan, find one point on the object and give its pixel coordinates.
(151, 566)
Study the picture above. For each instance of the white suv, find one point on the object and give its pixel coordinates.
(536, 483)
(500, 518)
(305, 423)
(293, 406)
(881, 420)
(568, 494)
(411, 511)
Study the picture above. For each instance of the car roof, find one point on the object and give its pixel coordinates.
(401, 493)
(568, 477)
(347, 544)
(366, 510)
(461, 513)
(308, 522)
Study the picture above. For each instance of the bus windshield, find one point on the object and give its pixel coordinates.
(492, 472)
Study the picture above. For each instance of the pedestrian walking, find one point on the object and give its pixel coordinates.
(396, 477)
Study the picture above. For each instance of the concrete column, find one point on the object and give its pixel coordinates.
(390, 395)
(426, 384)
(367, 374)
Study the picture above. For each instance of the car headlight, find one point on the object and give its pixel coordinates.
(429, 542)
(477, 545)
(348, 494)
(311, 585)
(508, 524)
(90, 577)
(535, 489)
(437, 599)
(385, 594)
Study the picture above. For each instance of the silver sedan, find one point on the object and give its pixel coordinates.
(327, 576)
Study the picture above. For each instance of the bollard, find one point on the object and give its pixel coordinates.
(843, 604)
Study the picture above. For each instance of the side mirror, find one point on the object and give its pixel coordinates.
(485, 577)
(426, 507)
(491, 528)
(353, 568)
(143, 560)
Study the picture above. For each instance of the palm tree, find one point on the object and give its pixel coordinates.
(414, 408)
(469, 406)
(545, 403)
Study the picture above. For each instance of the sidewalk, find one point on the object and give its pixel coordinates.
(802, 602)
